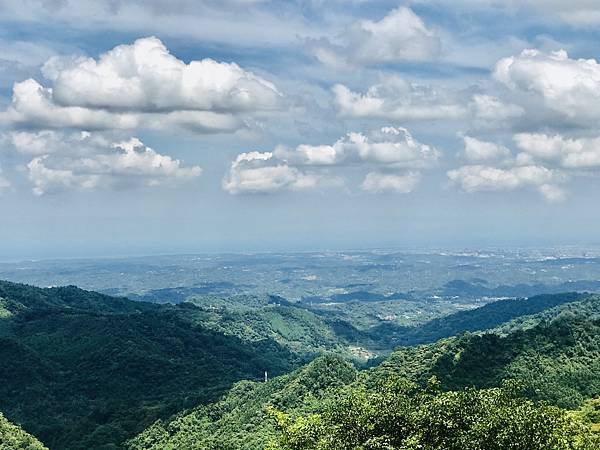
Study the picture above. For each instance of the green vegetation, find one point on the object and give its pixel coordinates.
(13, 437)
(239, 420)
(297, 329)
(81, 370)
(389, 335)
(555, 361)
(398, 415)
(589, 414)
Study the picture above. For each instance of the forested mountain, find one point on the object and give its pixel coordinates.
(390, 335)
(80, 370)
(556, 360)
(83, 370)
(239, 420)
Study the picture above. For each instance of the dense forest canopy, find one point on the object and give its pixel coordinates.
(82, 370)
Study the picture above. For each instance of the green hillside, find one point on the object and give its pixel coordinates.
(13, 437)
(389, 335)
(556, 353)
(297, 329)
(239, 420)
(395, 414)
(81, 370)
(556, 360)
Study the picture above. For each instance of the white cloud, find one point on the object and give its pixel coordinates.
(32, 105)
(145, 77)
(476, 178)
(377, 182)
(141, 85)
(45, 179)
(309, 166)
(564, 152)
(569, 87)
(93, 160)
(389, 146)
(545, 162)
(256, 172)
(398, 37)
(477, 150)
(33, 143)
(396, 99)
(490, 108)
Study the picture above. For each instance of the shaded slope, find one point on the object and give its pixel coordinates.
(239, 421)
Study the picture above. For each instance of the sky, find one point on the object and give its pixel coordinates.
(155, 126)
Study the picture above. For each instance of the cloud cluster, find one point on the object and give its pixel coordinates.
(140, 85)
(478, 150)
(540, 161)
(391, 156)
(400, 36)
(94, 160)
(262, 172)
(526, 91)
(568, 87)
(396, 99)
(582, 153)
(475, 178)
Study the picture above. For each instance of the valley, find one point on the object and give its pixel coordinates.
(86, 370)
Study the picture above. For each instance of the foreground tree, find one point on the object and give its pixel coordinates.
(396, 414)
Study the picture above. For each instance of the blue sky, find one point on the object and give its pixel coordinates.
(158, 126)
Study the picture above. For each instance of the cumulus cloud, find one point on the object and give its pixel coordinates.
(491, 108)
(564, 152)
(478, 150)
(377, 182)
(94, 160)
(394, 98)
(308, 166)
(261, 172)
(33, 143)
(543, 162)
(475, 178)
(145, 77)
(532, 89)
(569, 87)
(398, 37)
(397, 99)
(390, 146)
(141, 85)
